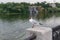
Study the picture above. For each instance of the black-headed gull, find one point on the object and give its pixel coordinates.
(34, 22)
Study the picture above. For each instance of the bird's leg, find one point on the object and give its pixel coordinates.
(33, 26)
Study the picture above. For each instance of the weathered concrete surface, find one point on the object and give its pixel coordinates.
(42, 33)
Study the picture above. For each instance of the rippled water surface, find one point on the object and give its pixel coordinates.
(15, 30)
(12, 30)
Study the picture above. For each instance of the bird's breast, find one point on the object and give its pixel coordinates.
(31, 20)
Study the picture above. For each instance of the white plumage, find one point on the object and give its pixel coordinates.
(34, 22)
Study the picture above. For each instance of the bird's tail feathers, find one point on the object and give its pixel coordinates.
(40, 24)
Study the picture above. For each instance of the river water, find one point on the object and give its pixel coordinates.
(15, 30)
(12, 30)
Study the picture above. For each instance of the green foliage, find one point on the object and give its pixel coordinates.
(13, 10)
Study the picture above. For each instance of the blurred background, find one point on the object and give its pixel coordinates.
(14, 16)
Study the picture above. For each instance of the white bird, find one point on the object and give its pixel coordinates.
(34, 22)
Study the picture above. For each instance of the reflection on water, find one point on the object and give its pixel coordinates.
(52, 22)
(16, 29)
